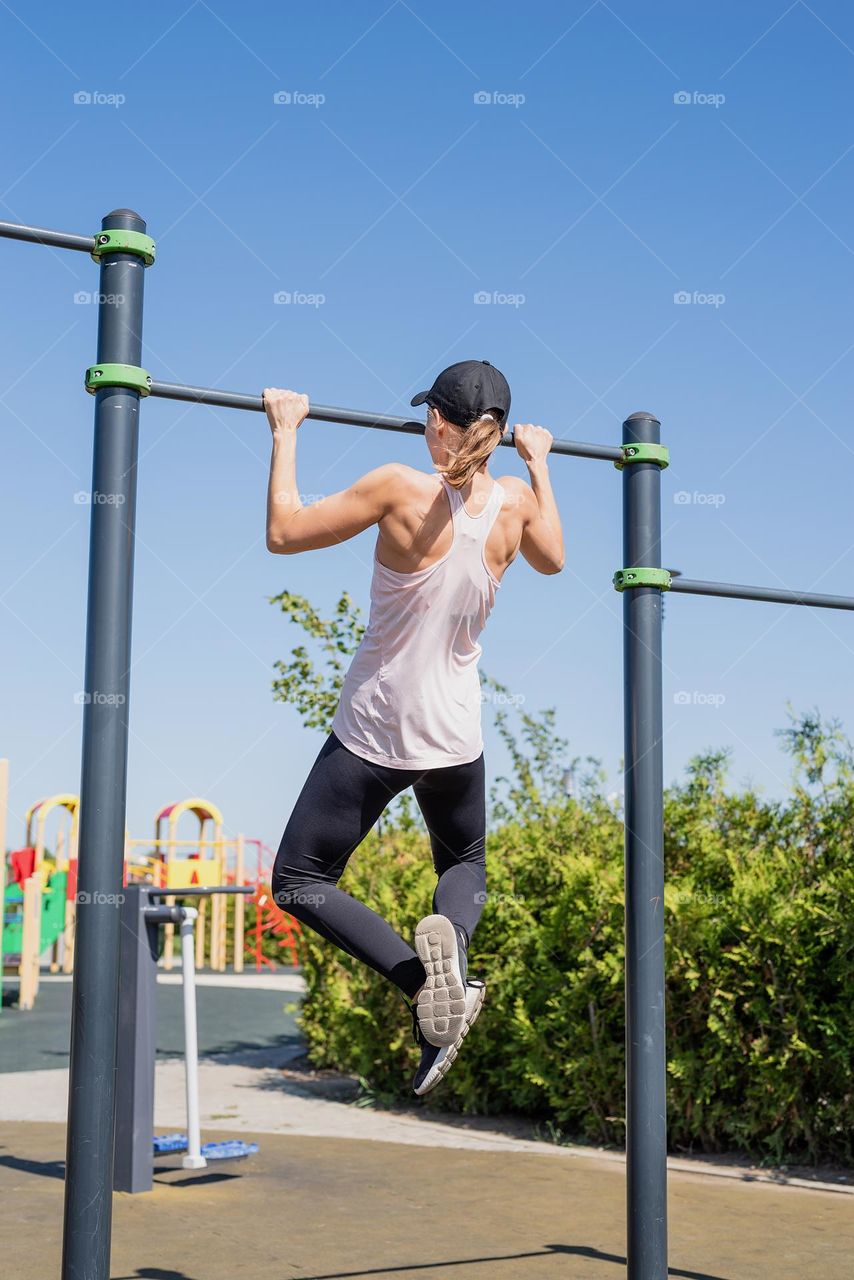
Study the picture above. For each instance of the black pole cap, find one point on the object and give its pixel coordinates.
(122, 220)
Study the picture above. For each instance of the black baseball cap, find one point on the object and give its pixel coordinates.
(464, 392)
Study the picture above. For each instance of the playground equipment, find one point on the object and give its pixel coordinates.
(204, 864)
(4, 809)
(144, 910)
(197, 1155)
(40, 899)
(124, 251)
(40, 812)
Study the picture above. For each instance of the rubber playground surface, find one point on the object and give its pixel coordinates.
(229, 1023)
(339, 1192)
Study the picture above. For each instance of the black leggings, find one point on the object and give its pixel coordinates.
(342, 799)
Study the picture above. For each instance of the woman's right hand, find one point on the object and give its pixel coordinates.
(285, 409)
(532, 443)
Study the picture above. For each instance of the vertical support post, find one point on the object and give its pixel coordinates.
(194, 1158)
(58, 947)
(30, 941)
(646, 1121)
(239, 907)
(91, 1101)
(137, 1044)
(4, 809)
(200, 931)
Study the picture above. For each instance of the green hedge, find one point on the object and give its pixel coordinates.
(760, 937)
(760, 959)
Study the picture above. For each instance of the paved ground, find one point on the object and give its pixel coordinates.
(330, 1209)
(340, 1192)
(229, 1022)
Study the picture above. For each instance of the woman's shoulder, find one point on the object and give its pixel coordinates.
(404, 488)
(410, 478)
(400, 475)
(515, 487)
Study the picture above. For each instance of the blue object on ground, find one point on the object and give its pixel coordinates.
(169, 1142)
(232, 1150)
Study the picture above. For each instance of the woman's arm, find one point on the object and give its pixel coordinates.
(542, 536)
(291, 527)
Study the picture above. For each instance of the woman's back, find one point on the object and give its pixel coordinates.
(411, 698)
(416, 531)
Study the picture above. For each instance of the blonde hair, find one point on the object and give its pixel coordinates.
(474, 446)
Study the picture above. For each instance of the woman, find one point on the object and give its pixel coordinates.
(409, 714)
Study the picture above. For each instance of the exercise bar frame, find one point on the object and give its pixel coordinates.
(123, 257)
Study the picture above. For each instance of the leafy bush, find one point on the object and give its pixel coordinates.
(760, 938)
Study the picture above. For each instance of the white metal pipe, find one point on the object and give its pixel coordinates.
(194, 1158)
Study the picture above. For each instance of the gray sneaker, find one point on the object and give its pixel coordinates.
(441, 1006)
(437, 1060)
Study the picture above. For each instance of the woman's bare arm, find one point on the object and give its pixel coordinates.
(292, 527)
(542, 535)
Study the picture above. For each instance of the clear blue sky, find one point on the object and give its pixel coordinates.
(585, 193)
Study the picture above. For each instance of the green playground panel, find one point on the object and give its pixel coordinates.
(52, 914)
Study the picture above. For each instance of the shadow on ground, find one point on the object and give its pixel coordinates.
(547, 1251)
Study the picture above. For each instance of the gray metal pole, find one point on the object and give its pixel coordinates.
(770, 595)
(646, 1130)
(44, 235)
(355, 417)
(91, 1103)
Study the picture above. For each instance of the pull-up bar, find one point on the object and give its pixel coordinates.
(43, 235)
(119, 383)
(772, 595)
(355, 417)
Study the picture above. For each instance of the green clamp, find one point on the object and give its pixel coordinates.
(639, 577)
(118, 375)
(116, 241)
(644, 453)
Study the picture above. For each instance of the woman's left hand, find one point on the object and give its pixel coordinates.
(286, 410)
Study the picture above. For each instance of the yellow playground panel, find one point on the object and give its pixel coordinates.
(203, 873)
(179, 864)
(39, 813)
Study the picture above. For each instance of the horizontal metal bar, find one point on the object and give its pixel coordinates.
(255, 403)
(155, 891)
(164, 915)
(43, 235)
(355, 417)
(772, 595)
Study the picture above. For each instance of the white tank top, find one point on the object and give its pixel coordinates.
(411, 698)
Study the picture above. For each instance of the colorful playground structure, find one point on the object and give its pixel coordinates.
(38, 886)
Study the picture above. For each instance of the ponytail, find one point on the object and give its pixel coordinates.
(474, 446)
